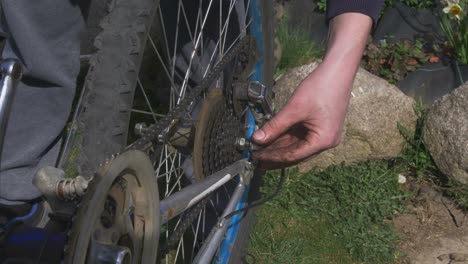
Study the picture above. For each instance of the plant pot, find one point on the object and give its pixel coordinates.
(460, 72)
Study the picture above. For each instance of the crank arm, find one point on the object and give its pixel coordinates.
(191, 195)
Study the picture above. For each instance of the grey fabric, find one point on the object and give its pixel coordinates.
(45, 37)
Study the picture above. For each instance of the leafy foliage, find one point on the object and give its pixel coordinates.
(394, 60)
(455, 27)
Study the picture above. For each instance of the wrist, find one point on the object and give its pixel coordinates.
(347, 40)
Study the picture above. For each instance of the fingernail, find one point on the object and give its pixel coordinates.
(259, 135)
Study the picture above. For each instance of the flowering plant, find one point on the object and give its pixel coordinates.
(454, 22)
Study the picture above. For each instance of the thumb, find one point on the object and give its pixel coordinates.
(273, 128)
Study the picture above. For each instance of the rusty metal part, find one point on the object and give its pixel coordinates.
(120, 209)
(156, 135)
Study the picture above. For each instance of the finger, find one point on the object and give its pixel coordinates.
(281, 142)
(293, 153)
(274, 128)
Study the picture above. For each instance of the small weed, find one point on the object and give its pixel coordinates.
(415, 153)
(297, 48)
(459, 192)
(321, 5)
(420, 164)
(394, 60)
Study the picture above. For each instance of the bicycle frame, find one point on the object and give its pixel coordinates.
(11, 71)
(189, 196)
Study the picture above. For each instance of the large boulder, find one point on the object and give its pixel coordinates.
(371, 130)
(446, 134)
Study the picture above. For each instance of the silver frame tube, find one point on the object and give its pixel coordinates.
(11, 74)
(216, 236)
(190, 195)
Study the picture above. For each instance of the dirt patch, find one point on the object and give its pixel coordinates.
(435, 232)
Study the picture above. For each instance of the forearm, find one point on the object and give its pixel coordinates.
(347, 41)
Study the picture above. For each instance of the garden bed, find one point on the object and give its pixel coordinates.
(389, 211)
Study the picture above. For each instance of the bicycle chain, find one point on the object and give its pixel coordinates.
(218, 152)
(158, 134)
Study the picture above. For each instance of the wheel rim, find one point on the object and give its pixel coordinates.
(182, 65)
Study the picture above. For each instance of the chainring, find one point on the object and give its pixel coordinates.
(120, 211)
(215, 147)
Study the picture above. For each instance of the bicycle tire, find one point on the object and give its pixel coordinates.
(112, 79)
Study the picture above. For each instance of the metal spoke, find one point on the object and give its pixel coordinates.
(187, 24)
(189, 51)
(196, 232)
(175, 53)
(184, 84)
(147, 100)
(231, 7)
(161, 20)
(229, 49)
(146, 113)
(169, 76)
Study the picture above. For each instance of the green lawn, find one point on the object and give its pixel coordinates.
(335, 216)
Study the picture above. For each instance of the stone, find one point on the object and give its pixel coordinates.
(370, 130)
(446, 134)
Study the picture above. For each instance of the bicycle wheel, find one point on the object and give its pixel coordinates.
(151, 54)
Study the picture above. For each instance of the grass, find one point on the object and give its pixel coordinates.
(420, 164)
(342, 214)
(335, 216)
(415, 153)
(297, 48)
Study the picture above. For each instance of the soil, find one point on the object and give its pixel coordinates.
(434, 231)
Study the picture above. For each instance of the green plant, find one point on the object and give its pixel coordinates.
(297, 48)
(357, 200)
(454, 22)
(340, 207)
(418, 161)
(415, 153)
(394, 60)
(418, 4)
(321, 5)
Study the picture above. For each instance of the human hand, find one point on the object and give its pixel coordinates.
(312, 120)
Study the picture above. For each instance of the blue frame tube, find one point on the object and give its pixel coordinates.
(255, 13)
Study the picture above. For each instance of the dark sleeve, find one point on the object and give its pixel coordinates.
(368, 7)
